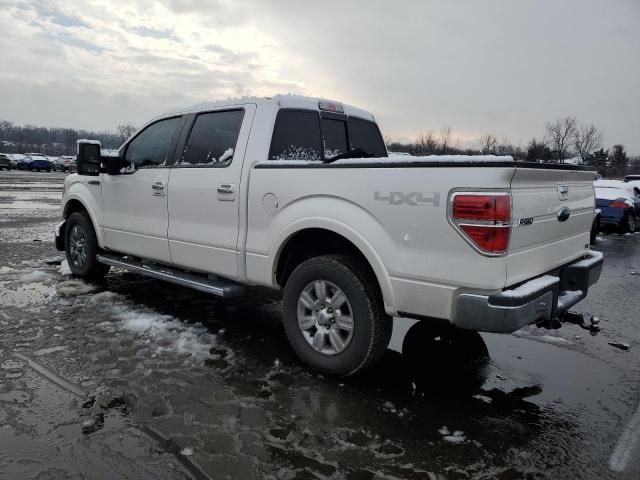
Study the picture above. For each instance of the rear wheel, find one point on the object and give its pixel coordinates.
(81, 246)
(334, 316)
(629, 225)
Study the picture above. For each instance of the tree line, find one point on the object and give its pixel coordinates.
(55, 141)
(565, 138)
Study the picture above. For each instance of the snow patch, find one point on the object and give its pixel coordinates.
(74, 287)
(35, 276)
(531, 287)
(291, 160)
(169, 334)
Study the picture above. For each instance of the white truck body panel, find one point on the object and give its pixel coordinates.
(135, 221)
(396, 215)
(203, 219)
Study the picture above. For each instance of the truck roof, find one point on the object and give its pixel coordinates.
(282, 101)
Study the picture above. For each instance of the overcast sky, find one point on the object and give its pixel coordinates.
(500, 67)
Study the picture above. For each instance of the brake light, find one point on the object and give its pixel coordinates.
(483, 219)
(482, 207)
(618, 204)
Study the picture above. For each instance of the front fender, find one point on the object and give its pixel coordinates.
(81, 193)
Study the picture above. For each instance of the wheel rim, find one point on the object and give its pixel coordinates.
(78, 246)
(325, 317)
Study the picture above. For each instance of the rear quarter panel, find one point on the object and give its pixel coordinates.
(396, 216)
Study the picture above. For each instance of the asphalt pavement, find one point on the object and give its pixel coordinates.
(137, 378)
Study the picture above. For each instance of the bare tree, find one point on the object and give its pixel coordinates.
(427, 142)
(445, 138)
(586, 140)
(488, 143)
(125, 131)
(560, 132)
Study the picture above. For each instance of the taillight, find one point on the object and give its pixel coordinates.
(483, 219)
(618, 204)
(482, 207)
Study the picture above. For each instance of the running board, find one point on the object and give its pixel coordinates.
(218, 287)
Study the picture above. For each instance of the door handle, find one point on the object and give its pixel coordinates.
(226, 188)
(158, 189)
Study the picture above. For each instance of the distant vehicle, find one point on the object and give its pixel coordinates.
(56, 164)
(5, 161)
(68, 163)
(14, 157)
(37, 162)
(619, 204)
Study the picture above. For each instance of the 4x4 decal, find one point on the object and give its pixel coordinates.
(413, 199)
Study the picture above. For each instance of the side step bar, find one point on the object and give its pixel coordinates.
(218, 287)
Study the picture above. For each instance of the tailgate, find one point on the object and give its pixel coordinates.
(552, 211)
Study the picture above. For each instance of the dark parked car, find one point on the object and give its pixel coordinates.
(5, 161)
(37, 161)
(619, 204)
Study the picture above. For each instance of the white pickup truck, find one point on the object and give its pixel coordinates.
(299, 194)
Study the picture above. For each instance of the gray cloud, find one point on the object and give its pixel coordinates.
(481, 67)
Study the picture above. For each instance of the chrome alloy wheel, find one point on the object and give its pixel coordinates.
(78, 246)
(325, 317)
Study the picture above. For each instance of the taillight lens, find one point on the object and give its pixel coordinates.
(482, 207)
(489, 238)
(484, 219)
(618, 204)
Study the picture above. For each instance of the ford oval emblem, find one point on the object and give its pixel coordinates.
(564, 214)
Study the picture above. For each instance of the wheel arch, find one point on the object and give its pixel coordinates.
(76, 204)
(308, 241)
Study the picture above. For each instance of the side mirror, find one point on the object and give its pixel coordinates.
(88, 158)
(112, 164)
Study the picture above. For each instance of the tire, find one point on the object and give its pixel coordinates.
(629, 225)
(48, 170)
(341, 351)
(82, 258)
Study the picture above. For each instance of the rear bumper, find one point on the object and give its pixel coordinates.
(536, 301)
(59, 234)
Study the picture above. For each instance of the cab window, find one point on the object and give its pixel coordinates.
(213, 139)
(151, 146)
(296, 136)
(366, 135)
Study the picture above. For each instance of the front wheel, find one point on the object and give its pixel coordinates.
(81, 247)
(334, 316)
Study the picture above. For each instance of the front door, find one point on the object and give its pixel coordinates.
(135, 202)
(205, 190)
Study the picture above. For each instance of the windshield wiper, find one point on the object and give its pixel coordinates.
(352, 153)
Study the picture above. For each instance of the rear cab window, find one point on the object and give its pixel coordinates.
(309, 135)
(296, 136)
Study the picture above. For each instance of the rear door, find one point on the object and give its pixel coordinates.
(205, 191)
(552, 213)
(135, 203)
